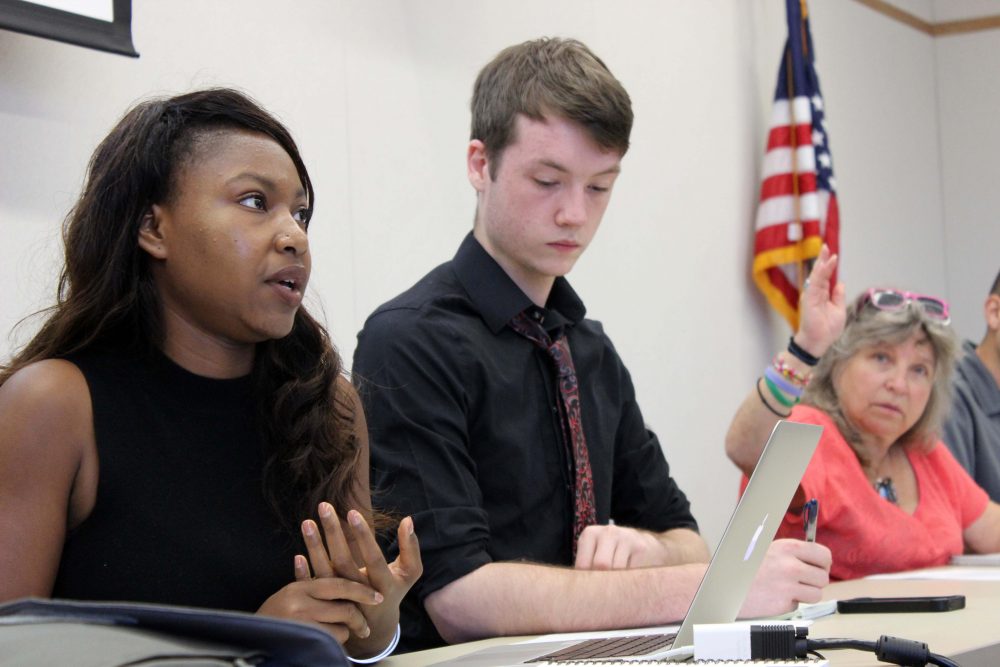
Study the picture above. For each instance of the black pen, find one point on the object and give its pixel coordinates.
(811, 512)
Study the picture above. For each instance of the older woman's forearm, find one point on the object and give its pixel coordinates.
(983, 535)
(748, 431)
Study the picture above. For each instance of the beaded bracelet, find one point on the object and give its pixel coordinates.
(800, 354)
(790, 373)
(778, 396)
(781, 383)
(384, 654)
(766, 404)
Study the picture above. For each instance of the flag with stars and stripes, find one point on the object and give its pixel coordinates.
(797, 212)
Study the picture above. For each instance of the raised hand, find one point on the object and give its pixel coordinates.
(822, 310)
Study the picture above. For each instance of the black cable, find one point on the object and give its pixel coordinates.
(856, 644)
(769, 642)
(888, 649)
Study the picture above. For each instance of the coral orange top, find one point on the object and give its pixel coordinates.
(868, 534)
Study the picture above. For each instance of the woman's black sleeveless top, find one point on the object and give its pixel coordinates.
(180, 516)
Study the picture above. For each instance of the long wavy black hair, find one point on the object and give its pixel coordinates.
(106, 296)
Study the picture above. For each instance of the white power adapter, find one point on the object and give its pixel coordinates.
(750, 640)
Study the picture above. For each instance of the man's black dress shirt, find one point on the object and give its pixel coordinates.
(463, 415)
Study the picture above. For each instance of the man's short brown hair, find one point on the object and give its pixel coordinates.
(549, 76)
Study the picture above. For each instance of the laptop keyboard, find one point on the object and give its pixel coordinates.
(611, 647)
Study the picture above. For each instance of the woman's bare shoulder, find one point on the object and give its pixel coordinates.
(346, 392)
(47, 389)
(48, 471)
(347, 396)
(46, 425)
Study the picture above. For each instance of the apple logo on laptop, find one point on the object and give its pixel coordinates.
(753, 540)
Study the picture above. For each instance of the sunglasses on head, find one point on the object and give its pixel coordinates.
(894, 300)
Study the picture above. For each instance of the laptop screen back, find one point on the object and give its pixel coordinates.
(751, 527)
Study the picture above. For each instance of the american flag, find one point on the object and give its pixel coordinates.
(798, 199)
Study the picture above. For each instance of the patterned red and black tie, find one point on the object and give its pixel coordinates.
(584, 510)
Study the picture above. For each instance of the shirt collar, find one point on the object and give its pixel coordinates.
(497, 297)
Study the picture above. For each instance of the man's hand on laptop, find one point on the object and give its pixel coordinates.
(614, 547)
(793, 571)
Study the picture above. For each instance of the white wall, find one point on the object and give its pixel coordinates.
(969, 108)
(960, 10)
(376, 92)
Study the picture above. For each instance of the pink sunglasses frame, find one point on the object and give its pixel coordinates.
(908, 297)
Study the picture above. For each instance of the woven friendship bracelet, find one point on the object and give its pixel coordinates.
(790, 373)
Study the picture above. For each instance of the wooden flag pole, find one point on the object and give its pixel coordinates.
(793, 140)
(803, 14)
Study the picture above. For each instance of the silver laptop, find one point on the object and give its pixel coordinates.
(729, 575)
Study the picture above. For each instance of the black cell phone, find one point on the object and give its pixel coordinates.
(898, 605)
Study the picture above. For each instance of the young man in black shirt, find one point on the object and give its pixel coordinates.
(504, 421)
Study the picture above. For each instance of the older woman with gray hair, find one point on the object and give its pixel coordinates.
(891, 496)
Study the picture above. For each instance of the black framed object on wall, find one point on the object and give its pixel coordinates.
(105, 25)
